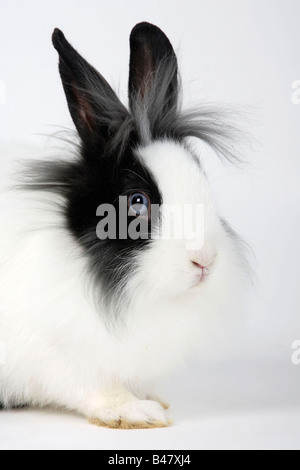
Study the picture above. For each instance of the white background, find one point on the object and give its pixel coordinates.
(244, 52)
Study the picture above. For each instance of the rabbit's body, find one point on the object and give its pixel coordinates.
(91, 328)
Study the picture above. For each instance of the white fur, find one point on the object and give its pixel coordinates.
(59, 349)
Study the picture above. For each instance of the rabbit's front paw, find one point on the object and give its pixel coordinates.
(134, 414)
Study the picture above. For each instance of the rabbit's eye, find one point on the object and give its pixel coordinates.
(139, 205)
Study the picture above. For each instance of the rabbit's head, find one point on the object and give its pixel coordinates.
(136, 197)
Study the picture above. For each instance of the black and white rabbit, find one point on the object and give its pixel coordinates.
(89, 323)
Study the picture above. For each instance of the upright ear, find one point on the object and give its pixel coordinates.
(153, 74)
(95, 109)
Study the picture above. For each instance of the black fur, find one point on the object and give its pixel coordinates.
(151, 53)
(84, 185)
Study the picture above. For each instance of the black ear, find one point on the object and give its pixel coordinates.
(153, 64)
(95, 109)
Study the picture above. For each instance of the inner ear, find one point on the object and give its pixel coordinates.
(80, 101)
(142, 69)
(84, 109)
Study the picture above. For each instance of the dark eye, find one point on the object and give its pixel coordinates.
(139, 205)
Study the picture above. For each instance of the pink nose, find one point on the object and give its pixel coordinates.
(197, 265)
(202, 259)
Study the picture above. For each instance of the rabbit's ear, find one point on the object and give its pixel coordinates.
(153, 67)
(94, 106)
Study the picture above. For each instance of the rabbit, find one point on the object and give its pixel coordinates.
(92, 324)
